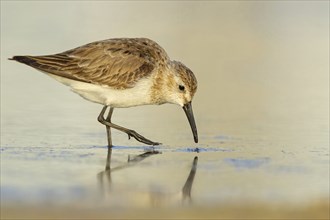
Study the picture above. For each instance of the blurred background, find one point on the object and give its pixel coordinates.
(262, 108)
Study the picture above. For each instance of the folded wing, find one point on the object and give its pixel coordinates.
(117, 63)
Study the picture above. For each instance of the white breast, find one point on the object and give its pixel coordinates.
(138, 95)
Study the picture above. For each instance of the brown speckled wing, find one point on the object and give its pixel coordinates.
(117, 63)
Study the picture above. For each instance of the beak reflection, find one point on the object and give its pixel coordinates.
(190, 115)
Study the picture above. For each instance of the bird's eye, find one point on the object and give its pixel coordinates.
(181, 87)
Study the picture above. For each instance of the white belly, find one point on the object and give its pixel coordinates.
(138, 95)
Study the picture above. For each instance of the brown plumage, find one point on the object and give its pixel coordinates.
(117, 63)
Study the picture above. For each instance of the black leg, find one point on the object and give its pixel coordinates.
(108, 119)
(131, 133)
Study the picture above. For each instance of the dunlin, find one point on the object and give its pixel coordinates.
(121, 73)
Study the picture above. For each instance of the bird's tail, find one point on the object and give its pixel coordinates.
(24, 59)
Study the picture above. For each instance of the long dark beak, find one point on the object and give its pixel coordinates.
(190, 115)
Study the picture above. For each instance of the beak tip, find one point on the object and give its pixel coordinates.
(196, 140)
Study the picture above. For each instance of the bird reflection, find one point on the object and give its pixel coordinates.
(186, 190)
(130, 162)
(157, 197)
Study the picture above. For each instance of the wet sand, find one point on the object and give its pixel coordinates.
(316, 210)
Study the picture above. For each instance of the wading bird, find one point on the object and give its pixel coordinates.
(121, 73)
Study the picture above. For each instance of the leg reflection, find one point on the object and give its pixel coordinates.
(104, 177)
(106, 173)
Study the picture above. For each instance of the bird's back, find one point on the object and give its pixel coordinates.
(117, 63)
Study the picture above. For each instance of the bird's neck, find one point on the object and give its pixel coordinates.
(160, 90)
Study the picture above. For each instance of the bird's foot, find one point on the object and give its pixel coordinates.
(140, 138)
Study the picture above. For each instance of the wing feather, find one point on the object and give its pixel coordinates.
(117, 63)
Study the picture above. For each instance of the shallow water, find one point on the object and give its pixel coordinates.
(262, 113)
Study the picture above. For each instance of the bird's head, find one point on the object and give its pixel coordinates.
(182, 86)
